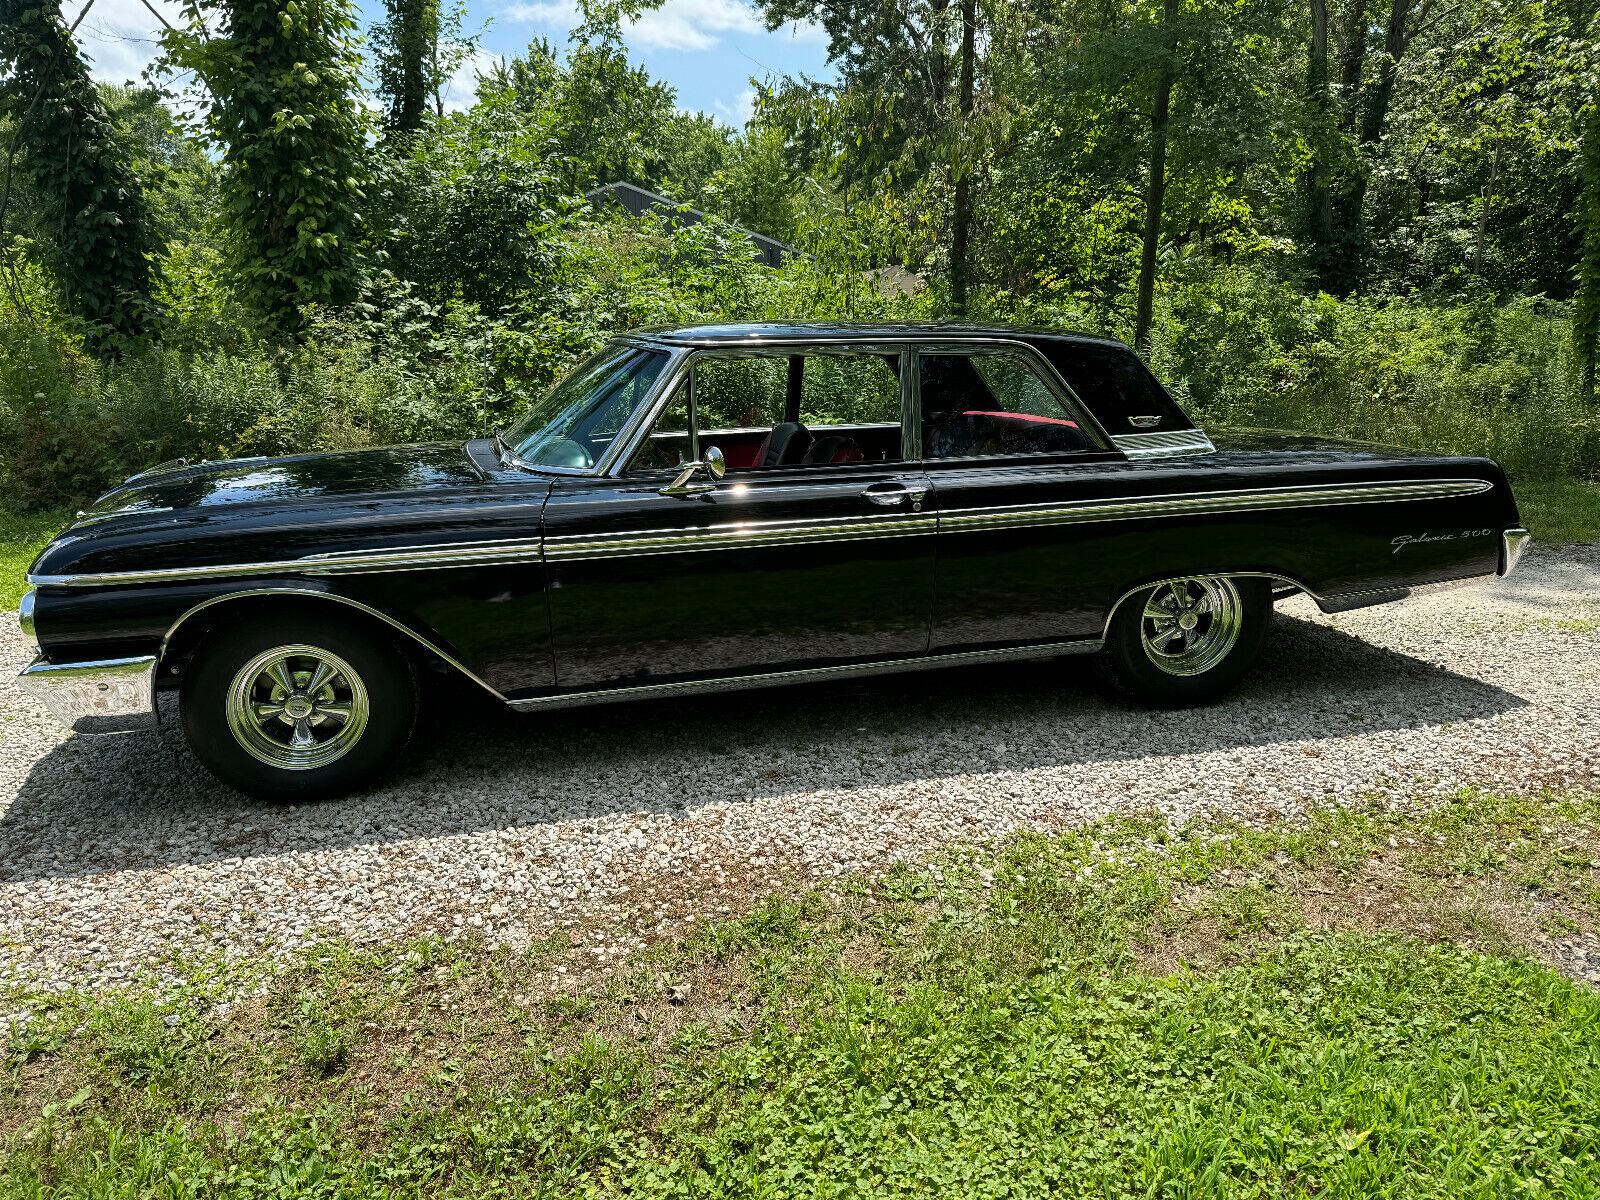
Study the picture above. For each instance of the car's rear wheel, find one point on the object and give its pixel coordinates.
(1186, 641)
(298, 709)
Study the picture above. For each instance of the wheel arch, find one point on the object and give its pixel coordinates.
(1288, 581)
(191, 627)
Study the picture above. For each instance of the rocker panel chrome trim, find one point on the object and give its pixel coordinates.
(789, 533)
(449, 659)
(731, 683)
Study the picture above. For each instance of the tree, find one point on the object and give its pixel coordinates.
(416, 51)
(1159, 116)
(401, 48)
(609, 119)
(283, 78)
(91, 203)
(911, 103)
(1155, 194)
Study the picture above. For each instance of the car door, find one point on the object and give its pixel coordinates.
(1005, 446)
(787, 565)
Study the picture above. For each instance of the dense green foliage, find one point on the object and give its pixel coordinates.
(69, 176)
(991, 1028)
(289, 127)
(1379, 224)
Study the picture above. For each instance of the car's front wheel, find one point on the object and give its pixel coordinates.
(1186, 641)
(298, 709)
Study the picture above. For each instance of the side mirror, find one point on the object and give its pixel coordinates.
(711, 462)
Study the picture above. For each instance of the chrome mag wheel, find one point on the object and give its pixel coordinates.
(297, 707)
(1189, 625)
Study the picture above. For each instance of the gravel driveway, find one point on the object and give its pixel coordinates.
(115, 852)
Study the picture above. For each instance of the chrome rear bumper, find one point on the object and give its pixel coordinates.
(113, 695)
(1512, 543)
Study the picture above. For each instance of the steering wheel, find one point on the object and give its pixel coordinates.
(566, 453)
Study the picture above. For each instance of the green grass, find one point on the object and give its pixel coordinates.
(1557, 511)
(1126, 1011)
(22, 536)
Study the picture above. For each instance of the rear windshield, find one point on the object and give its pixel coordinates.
(1116, 386)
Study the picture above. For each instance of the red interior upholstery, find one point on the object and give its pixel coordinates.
(1018, 419)
(741, 457)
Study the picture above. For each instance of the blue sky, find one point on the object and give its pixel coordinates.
(707, 49)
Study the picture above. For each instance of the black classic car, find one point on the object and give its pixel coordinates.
(732, 506)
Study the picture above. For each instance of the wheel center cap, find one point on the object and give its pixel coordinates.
(1188, 621)
(299, 706)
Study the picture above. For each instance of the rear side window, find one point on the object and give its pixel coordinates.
(1117, 387)
(992, 405)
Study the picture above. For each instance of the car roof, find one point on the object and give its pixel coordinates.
(755, 332)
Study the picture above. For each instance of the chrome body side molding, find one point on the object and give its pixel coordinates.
(792, 533)
(449, 659)
(109, 695)
(734, 683)
(1173, 444)
(724, 537)
(1253, 500)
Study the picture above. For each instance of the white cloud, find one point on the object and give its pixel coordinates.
(738, 113)
(560, 13)
(462, 87)
(120, 37)
(676, 25)
(692, 24)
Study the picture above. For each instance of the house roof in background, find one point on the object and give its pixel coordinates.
(638, 201)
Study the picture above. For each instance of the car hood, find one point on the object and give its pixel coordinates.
(387, 469)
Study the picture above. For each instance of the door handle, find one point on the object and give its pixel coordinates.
(890, 495)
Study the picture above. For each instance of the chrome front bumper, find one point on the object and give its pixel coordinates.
(1512, 543)
(113, 695)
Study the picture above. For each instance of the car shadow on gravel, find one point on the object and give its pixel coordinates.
(92, 805)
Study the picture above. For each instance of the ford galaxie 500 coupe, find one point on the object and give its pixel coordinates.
(732, 506)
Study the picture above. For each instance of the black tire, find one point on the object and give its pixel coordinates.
(363, 725)
(1231, 619)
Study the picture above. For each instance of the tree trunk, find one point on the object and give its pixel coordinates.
(1318, 199)
(413, 26)
(1158, 184)
(1342, 270)
(1483, 208)
(961, 218)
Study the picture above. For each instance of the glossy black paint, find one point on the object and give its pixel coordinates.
(681, 613)
(545, 622)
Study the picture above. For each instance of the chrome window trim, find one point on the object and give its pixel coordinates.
(795, 532)
(603, 465)
(1168, 443)
(911, 343)
(1048, 375)
(450, 659)
(107, 695)
(733, 683)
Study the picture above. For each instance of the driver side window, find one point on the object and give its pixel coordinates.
(781, 410)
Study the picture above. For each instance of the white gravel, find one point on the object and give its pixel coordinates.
(118, 852)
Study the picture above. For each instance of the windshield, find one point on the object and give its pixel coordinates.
(574, 424)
